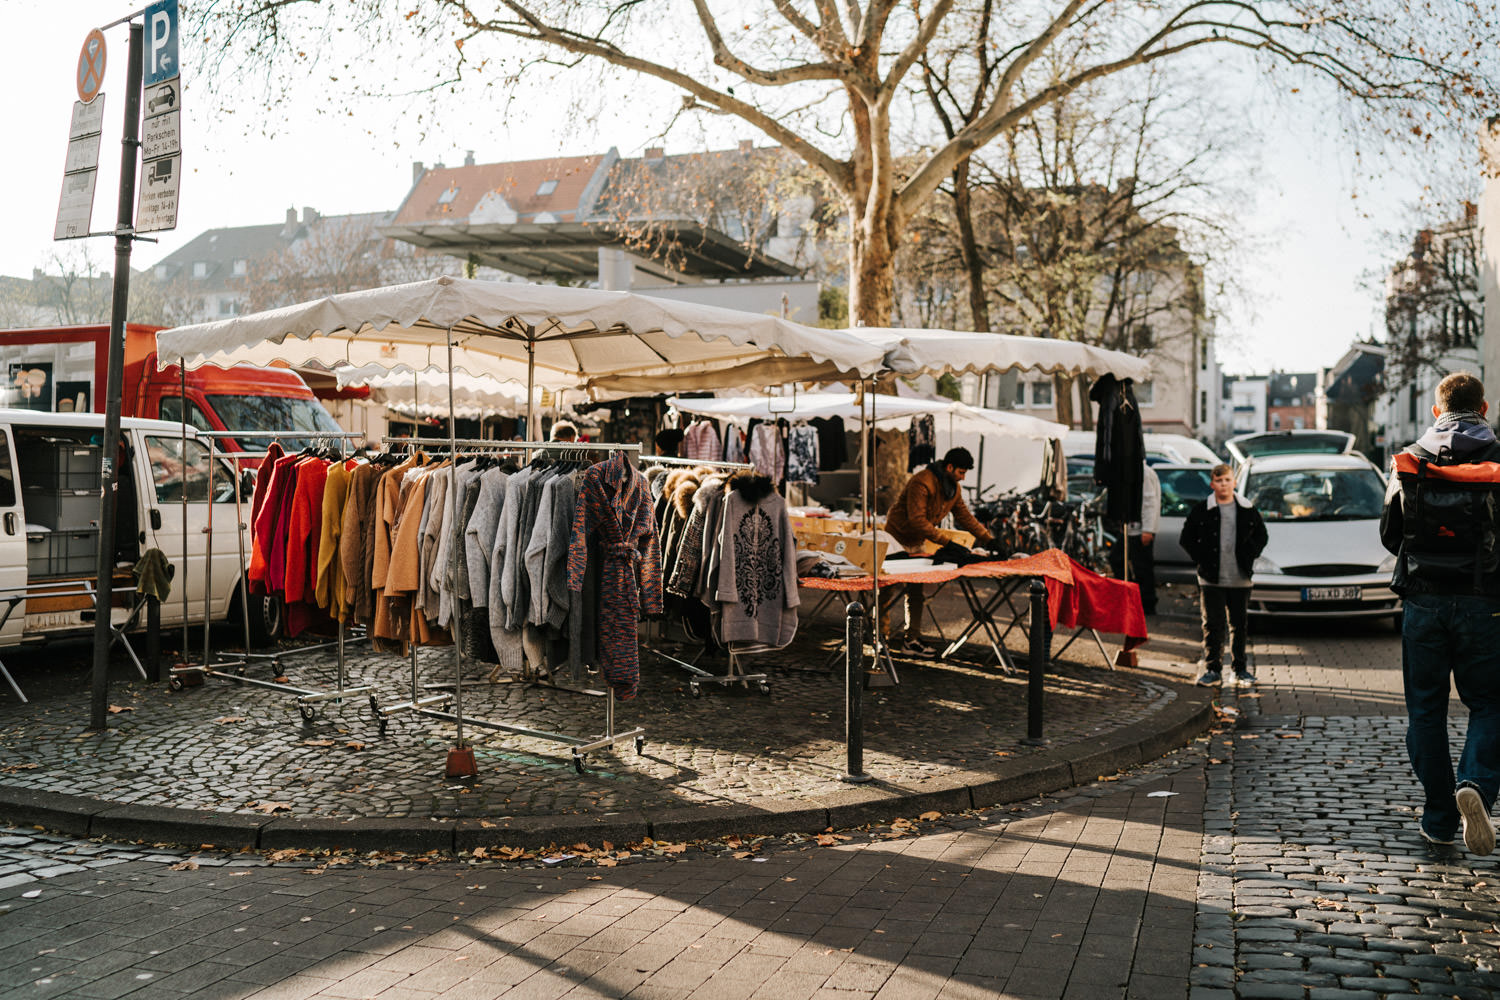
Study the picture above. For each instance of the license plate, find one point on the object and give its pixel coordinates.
(1331, 593)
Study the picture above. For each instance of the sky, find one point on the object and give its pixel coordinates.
(1307, 283)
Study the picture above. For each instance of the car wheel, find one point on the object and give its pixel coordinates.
(267, 615)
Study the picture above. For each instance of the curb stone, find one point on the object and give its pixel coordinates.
(1055, 768)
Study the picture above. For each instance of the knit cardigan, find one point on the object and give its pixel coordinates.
(758, 566)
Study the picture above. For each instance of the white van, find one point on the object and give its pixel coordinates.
(49, 521)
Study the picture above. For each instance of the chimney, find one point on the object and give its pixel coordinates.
(291, 216)
(655, 154)
(417, 170)
(309, 215)
(469, 158)
(747, 146)
(37, 274)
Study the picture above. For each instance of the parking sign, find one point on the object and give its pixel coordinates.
(161, 41)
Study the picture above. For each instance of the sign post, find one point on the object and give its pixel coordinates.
(114, 377)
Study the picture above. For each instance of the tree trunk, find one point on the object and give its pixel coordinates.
(1062, 397)
(1086, 414)
(968, 248)
(872, 272)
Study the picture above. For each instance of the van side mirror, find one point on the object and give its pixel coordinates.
(155, 519)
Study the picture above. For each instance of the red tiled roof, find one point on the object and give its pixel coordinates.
(517, 182)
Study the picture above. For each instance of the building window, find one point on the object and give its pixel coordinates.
(1145, 393)
(546, 188)
(200, 268)
(1041, 393)
(1298, 423)
(240, 268)
(1202, 406)
(446, 198)
(1020, 392)
(161, 272)
(1275, 421)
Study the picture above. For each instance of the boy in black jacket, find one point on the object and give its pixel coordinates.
(1224, 534)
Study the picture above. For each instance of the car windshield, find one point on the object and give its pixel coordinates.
(274, 413)
(1081, 485)
(1315, 494)
(1181, 489)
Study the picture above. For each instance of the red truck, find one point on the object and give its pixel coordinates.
(62, 370)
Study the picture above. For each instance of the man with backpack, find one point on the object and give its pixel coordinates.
(1442, 521)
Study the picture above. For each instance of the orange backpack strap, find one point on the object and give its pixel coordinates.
(1468, 473)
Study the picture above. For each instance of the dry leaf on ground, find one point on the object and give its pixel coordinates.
(184, 866)
(931, 815)
(269, 807)
(223, 719)
(318, 743)
(117, 709)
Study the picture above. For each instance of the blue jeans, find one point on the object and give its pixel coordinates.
(1457, 634)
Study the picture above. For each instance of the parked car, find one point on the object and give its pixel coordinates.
(1182, 486)
(1300, 442)
(49, 520)
(1323, 558)
(1160, 448)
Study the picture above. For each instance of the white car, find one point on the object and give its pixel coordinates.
(1323, 558)
(1300, 442)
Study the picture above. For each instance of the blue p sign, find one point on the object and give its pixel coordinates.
(161, 41)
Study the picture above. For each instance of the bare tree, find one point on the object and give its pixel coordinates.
(337, 254)
(823, 78)
(1077, 225)
(1433, 305)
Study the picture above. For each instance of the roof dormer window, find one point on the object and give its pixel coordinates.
(446, 198)
(547, 187)
(200, 268)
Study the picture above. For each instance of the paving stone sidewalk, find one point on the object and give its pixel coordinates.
(947, 729)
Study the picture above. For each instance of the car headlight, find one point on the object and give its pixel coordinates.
(1264, 565)
(1387, 565)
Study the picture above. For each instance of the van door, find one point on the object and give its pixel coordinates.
(12, 542)
(168, 476)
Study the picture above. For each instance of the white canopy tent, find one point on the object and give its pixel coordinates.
(540, 335)
(425, 393)
(807, 405)
(935, 352)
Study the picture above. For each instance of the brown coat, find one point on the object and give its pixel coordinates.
(915, 515)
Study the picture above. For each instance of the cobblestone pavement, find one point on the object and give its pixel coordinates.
(232, 748)
(1089, 896)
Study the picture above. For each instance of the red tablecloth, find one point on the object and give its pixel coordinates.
(1076, 595)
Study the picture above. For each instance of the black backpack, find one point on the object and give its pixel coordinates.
(1449, 516)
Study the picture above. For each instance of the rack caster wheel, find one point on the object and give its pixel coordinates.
(578, 763)
(309, 712)
(175, 684)
(695, 691)
(640, 745)
(239, 671)
(764, 688)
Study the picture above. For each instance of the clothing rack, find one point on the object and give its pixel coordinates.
(579, 747)
(309, 701)
(695, 463)
(697, 676)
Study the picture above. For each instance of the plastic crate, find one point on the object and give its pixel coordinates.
(61, 553)
(62, 510)
(54, 464)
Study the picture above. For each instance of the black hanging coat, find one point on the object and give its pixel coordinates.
(1119, 448)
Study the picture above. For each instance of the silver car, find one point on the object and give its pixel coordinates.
(1323, 558)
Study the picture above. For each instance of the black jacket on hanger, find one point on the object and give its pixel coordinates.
(1119, 448)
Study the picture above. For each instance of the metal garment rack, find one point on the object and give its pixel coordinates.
(309, 701)
(422, 705)
(697, 676)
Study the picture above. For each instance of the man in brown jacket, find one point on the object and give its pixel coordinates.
(929, 496)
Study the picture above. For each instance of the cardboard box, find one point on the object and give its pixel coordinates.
(858, 550)
(952, 535)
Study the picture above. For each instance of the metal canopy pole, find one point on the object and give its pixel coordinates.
(182, 457)
(461, 762)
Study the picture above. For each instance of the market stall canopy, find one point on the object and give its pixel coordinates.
(425, 393)
(542, 335)
(933, 352)
(808, 405)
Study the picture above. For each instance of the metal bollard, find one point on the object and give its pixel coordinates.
(854, 689)
(1036, 671)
